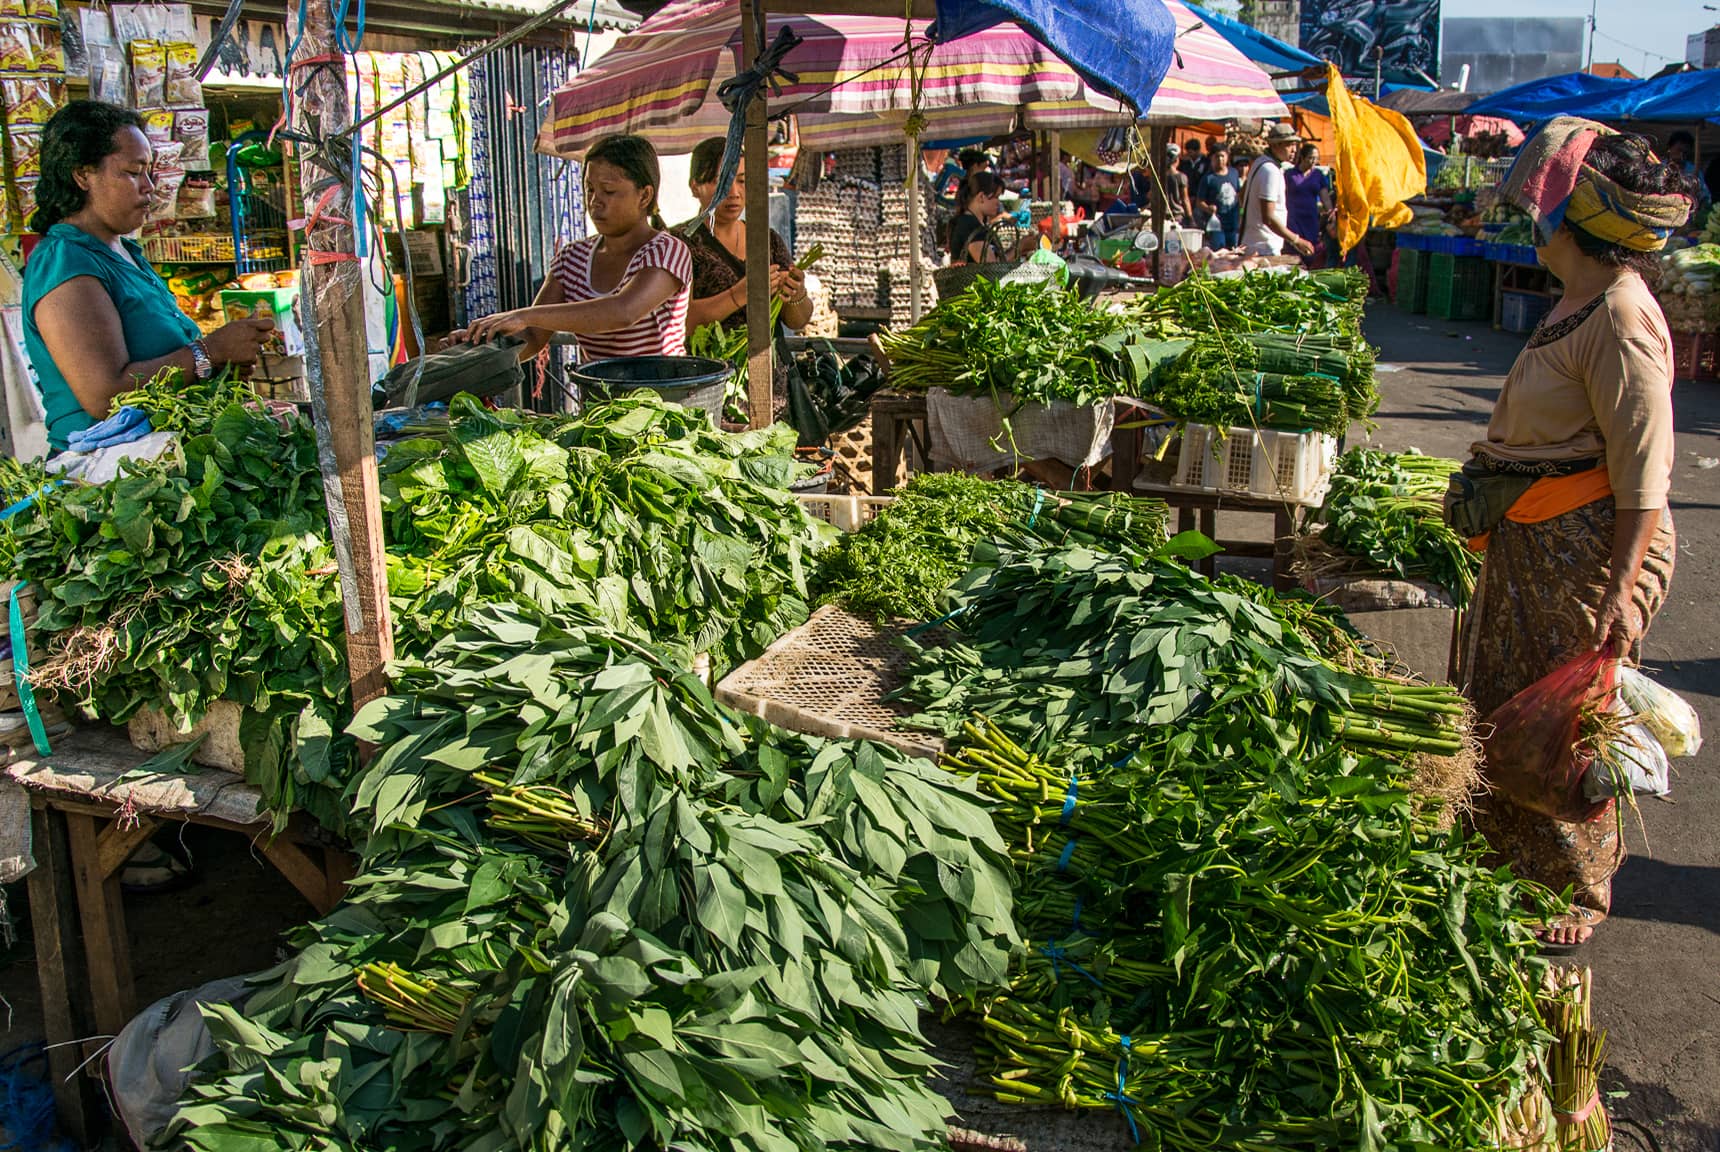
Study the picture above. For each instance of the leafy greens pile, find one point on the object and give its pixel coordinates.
(901, 564)
(595, 914)
(1245, 929)
(208, 576)
(1387, 511)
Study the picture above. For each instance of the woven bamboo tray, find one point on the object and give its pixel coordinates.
(830, 677)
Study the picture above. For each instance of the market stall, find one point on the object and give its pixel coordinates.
(506, 657)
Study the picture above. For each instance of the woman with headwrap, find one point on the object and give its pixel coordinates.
(1567, 494)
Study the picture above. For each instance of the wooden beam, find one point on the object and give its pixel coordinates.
(318, 888)
(336, 359)
(761, 402)
(117, 842)
(921, 9)
(59, 973)
(102, 913)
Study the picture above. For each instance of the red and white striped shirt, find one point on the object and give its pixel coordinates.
(663, 332)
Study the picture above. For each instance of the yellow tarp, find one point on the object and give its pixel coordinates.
(1380, 163)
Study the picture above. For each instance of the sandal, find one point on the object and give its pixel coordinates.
(151, 869)
(1584, 920)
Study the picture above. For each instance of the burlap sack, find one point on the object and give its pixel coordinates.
(967, 432)
(15, 859)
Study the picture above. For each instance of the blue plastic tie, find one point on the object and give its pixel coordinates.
(1069, 799)
(1124, 762)
(1068, 852)
(12, 510)
(1121, 1097)
(1075, 920)
(21, 678)
(1038, 502)
(1058, 958)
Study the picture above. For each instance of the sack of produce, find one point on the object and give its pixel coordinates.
(1543, 740)
(1662, 711)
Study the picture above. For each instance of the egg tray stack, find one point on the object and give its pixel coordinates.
(859, 215)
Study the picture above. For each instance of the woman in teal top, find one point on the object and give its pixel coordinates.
(98, 321)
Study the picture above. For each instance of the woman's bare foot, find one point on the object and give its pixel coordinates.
(1571, 931)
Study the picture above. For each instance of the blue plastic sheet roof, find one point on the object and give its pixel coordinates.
(1269, 52)
(1682, 98)
(1121, 46)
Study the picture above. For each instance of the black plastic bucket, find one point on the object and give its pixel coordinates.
(690, 381)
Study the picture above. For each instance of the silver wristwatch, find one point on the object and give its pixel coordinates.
(204, 367)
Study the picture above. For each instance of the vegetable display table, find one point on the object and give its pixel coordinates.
(1188, 502)
(90, 809)
(898, 422)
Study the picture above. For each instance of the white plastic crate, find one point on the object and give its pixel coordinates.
(1295, 467)
(847, 513)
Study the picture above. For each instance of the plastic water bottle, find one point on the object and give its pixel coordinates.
(1172, 263)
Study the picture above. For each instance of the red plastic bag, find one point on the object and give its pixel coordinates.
(1531, 753)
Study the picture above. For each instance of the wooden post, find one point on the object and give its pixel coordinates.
(1157, 138)
(916, 261)
(761, 402)
(336, 356)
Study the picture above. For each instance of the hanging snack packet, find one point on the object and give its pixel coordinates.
(191, 128)
(28, 102)
(43, 9)
(164, 202)
(24, 197)
(45, 48)
(184, 90)
(17, 51)
(158, 126)
(148, 74)
(26, 146)
(167, 159)
(197, 196)
(13, 9)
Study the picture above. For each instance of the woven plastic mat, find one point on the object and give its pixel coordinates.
(830, 677)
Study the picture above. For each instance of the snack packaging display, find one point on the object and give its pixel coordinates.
(26, 145)
(43, 9)
(197, 197)
(17, 49)
(191, 128)
(164, 203)
(167, 159)
(183, 87)
(27, 102)
(24, 197)
(158, 126)
(148, 74)
(13, 9)
(45, 48)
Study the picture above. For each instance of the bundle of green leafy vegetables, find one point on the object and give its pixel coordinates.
(1328, 302)
(1387, 511)
(596, 913)
(902, 563)
(1206, 386)
(637, 510)
(208, 576)
(1245, 928)
(1243, 936)
(198, 577)
(1035, 342)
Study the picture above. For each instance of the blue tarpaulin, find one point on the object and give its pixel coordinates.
(1572, 94)
(1121, 46)
(1269, 52)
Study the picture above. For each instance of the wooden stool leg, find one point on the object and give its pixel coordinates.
(1209, 529)
(886, 449)
(102, 911)
(57, 973)
(1283, 551)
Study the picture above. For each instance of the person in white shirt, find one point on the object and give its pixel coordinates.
(1265, 218)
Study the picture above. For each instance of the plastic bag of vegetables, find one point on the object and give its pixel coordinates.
(1662, 711)
(1629, 761)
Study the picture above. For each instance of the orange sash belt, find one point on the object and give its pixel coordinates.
(1551, 497)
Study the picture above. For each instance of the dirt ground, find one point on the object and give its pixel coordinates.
(1657, 962)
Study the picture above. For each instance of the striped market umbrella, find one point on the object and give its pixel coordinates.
(855, 88)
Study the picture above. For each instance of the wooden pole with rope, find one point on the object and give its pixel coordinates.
(337, 360)
(755, 154)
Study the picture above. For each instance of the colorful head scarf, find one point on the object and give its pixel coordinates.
(1552, 181)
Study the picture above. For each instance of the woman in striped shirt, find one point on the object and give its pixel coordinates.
(622, 292)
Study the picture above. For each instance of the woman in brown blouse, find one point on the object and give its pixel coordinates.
(1583, 426)
(719, 248)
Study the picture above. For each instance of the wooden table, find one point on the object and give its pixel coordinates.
(898, 423)
(90, 809)
(1189, 503)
